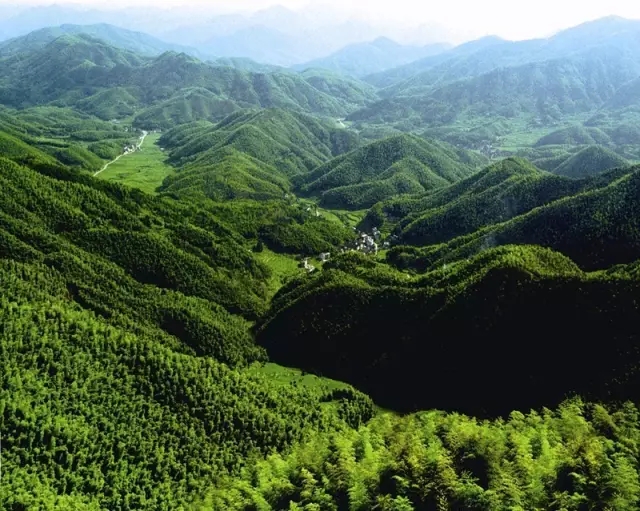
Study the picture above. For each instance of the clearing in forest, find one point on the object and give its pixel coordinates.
(144, 169)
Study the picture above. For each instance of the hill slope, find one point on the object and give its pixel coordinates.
(290, 142)
(398, 337)
(500, 192)
(123, 343)
(545, 90)
(77, 67)
(396, 165)
(136, 42)
(596, 227)
(590, 161)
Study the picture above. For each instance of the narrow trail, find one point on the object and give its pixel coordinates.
(140, 142)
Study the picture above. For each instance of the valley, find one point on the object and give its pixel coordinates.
(143, 168)
(395, 277)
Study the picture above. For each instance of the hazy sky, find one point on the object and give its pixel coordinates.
(511, 19)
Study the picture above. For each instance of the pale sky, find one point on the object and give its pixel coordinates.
(511, 19)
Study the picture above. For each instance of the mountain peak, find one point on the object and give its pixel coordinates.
(601, 27)
(385, 42)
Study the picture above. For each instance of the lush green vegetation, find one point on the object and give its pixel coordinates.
(361, 322)
(590, 161)
(164, 343)
(85, 72)
(578, 456)
(494, 195)
(398, 165)
(145, 169)
(123, 347)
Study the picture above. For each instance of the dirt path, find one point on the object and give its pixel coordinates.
(140, 142)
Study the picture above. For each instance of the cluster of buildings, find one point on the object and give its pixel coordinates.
(366, 243)
(369, 243)
(324, 257)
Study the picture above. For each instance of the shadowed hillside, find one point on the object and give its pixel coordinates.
(398, 338)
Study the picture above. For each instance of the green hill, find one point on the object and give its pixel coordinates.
(545, 90)
(186, 106)
(404, 72)
(354, 92)
(245, 64)
(113, 103)
(228, 174)
(597, 227)
(253, 155)
(48, 137)
(500, 192)
(380, 170)
(123, 343)
(60, 69)
(575, 135)
(616, 37)
(73, 68)
(399, 337)
(290, 142)
(590, 161)
(137, 42)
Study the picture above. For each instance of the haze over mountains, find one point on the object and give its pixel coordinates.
(274, 35)
(244, 268)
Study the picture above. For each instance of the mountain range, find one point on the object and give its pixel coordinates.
(275, 35)
(315, 289)
(80, 67)
(366, 58)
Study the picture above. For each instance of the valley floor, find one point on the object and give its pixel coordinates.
(145, 169)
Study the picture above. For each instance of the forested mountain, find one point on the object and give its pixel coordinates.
(46, 135)
(488, 54)
(376, 328)
(404, 164)
(138, 42)
(296, 153)
(401, 73)
(545, 91)
(292, 143)
(590, 161)
(573, 136)
(251, 154)
(148, 292)
(288, 298)
(589, 69)
(245, 64)
(73, 67)
(367, 58)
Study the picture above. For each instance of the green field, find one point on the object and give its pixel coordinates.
(291, 376)
(282, 267)
(144, 169)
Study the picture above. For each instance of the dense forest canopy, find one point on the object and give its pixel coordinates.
(393, 277)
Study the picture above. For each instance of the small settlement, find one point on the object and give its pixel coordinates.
(367, 243)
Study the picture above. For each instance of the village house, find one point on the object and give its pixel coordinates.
(308, 267)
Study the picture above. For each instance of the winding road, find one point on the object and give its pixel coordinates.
(140, 142)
